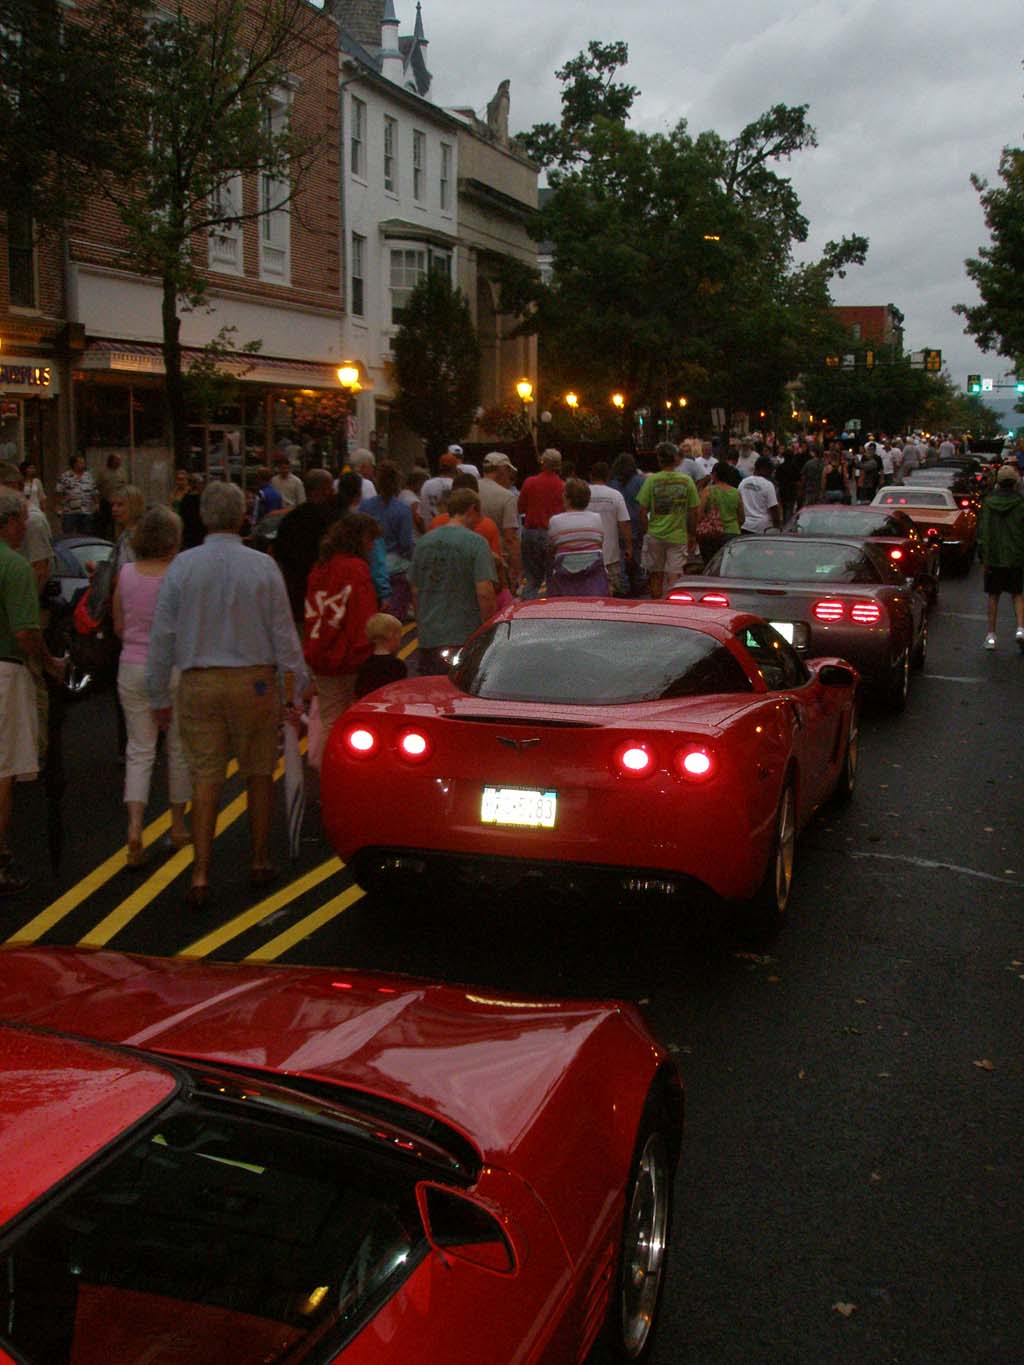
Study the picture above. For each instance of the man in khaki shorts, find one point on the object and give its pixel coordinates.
(223, 620)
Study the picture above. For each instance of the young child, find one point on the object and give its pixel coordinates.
(382, 667)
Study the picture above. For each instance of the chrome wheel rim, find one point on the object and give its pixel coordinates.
(645, 1240)
(785, 842)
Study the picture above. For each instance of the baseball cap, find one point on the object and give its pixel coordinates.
(454, 450)
(1007, 474)
(494, 459)
(449, 460)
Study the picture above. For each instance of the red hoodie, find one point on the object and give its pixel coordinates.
(340, 599)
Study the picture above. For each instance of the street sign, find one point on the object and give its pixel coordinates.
(853, 424)
(986, 385)
(849, 361)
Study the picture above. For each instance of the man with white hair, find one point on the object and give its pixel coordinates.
(363, 462)
(223, 620)
(461, 468)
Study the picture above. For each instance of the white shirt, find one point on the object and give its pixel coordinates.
(412, 501)
(947, 450)
(611, 507)
(759, 497)
(885, 455)
(745, 463)
(291, 488)
(705, 464)
(431, 493)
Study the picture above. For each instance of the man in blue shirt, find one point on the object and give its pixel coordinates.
(223, 619)
(452, 579)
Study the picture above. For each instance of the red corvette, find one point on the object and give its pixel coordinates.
(654, 745)
(207, 1163)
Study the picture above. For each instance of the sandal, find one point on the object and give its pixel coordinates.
(137, 856)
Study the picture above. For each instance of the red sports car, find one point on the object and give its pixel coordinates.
(211, 1163)
(909, 553)
(638, 742)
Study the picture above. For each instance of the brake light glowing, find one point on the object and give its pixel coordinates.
(932, 531)
(965, 502)
(695, 764)
(680, 597)
(829, 610)
(896, 554)
(715, 599)
(634, 760)
(361, 742)
(414, 746)
(866, 613)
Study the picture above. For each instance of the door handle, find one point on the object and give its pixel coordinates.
(794, 711)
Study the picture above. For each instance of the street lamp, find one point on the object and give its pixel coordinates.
(572, 401)
(525, 391)
(618, 401)
(348, 376)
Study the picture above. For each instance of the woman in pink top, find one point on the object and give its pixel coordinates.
(155, 543)
(576, 547)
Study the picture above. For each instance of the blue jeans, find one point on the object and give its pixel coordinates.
(535, 560)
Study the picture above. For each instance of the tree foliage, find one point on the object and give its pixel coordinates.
(673, 253)
(997, 322)
(437, 363)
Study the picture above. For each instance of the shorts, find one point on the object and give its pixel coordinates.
(229, 711)
(999, 580)
(662, 556)
(19, 725)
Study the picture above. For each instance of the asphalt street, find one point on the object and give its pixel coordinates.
(851, 1183)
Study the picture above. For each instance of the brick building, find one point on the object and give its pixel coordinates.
(880, 323)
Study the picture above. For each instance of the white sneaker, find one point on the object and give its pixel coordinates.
(990, 641)
(1020, 637)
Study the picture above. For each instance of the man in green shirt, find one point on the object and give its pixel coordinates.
(452, 579)
(21, 647)
(670, 500)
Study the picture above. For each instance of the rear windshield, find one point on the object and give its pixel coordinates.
(792, 561)
(860, 521)
(914, 497)
(587, 663)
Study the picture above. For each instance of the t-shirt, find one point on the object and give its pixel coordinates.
(745, 463)
(668, 497)
(540, 498)
(297, 547)
(19, 601)
(611, 507)
(727, 500)
(431, 493)
(500, 504)
(447, 564)
(484, 527)
(291, 489)
(38, 542)
(759, 497)
(576, 532)
(137, 593)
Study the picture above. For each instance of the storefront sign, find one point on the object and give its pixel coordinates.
(18, 375)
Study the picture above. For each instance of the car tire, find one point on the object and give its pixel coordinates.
(921, 651)
(631, 1323)
(898, 689)
(847, 779)
(766, 913)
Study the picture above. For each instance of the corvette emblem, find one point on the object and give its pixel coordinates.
(517, 743)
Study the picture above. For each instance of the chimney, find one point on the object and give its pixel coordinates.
(392, 67)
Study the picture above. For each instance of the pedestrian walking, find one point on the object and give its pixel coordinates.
(432, 490)
(288, 485)
(77, 498)
(500, 501)
(761, 509)
(223, 620)
(809, 486)
(628, 481)
(720, 514)
(670, 501)
(540, 498)
(576, 546)
(1001, 544)
(452, 578)
(33, 486)
(394, 518)
(267, 498)
(383, 665)
(156, 541)
(340, 599)
(610, 505)
(297, 543)
(869, 476)
(836, 484)
(109, 483)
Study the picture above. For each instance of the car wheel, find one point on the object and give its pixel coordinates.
(899, 684)
(767, 912)
(647, 1221)
(921, 652)
(847, 779)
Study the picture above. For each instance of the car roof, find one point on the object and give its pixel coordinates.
(61, 1102)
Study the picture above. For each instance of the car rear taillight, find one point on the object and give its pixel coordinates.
(829, 609)
(866, 613)
(896, 554)
(634, 759)
(414, 746)
(715, 599)
(680, 597)
(965, 502)
(361, 741)
(932, 531)
(695, 763)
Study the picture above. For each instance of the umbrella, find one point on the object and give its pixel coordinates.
(294, 776)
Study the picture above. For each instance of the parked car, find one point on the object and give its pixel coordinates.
(888, 528)
(636, 744)
(220, 1163)
(939, 516)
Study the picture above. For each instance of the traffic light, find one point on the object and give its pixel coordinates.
(832, 361)
(869, 360)
(974, 383)
(1020, 385)
(933, 361)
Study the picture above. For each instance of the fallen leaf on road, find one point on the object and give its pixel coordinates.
(859, 1000)
(884, 1075)
(985, 1065)
(875, 1177)
(845, 1308)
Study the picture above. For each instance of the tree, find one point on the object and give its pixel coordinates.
(437, 363)
(214, 110)
(997, 322)
(891, 396)
(673, 270)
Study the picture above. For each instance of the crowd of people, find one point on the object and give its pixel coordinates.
(220, 642)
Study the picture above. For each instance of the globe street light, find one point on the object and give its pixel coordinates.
(348, 376)
(525, 391)
(572, 401)
(618, 401)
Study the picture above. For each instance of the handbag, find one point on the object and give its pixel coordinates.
(710, 523)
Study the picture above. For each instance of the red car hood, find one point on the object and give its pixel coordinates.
(485, 1064)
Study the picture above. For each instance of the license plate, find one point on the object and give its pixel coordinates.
(786, 629)
(521, 807)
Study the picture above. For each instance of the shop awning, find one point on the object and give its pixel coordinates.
(124, 357)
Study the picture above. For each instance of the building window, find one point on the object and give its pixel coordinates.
(358, 159)
(225, 249)
(855, 331)
(357, 276)
(21, 258)
(419, 164)
(390, 152)
(446, 177)
(275, 217)
(408, 266)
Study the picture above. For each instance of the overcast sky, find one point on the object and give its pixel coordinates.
(908, 97)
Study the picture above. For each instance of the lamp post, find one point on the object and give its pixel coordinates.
(348, 378)
(524, 388)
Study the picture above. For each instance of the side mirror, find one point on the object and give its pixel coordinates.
(836, 675)
(460, 1227)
